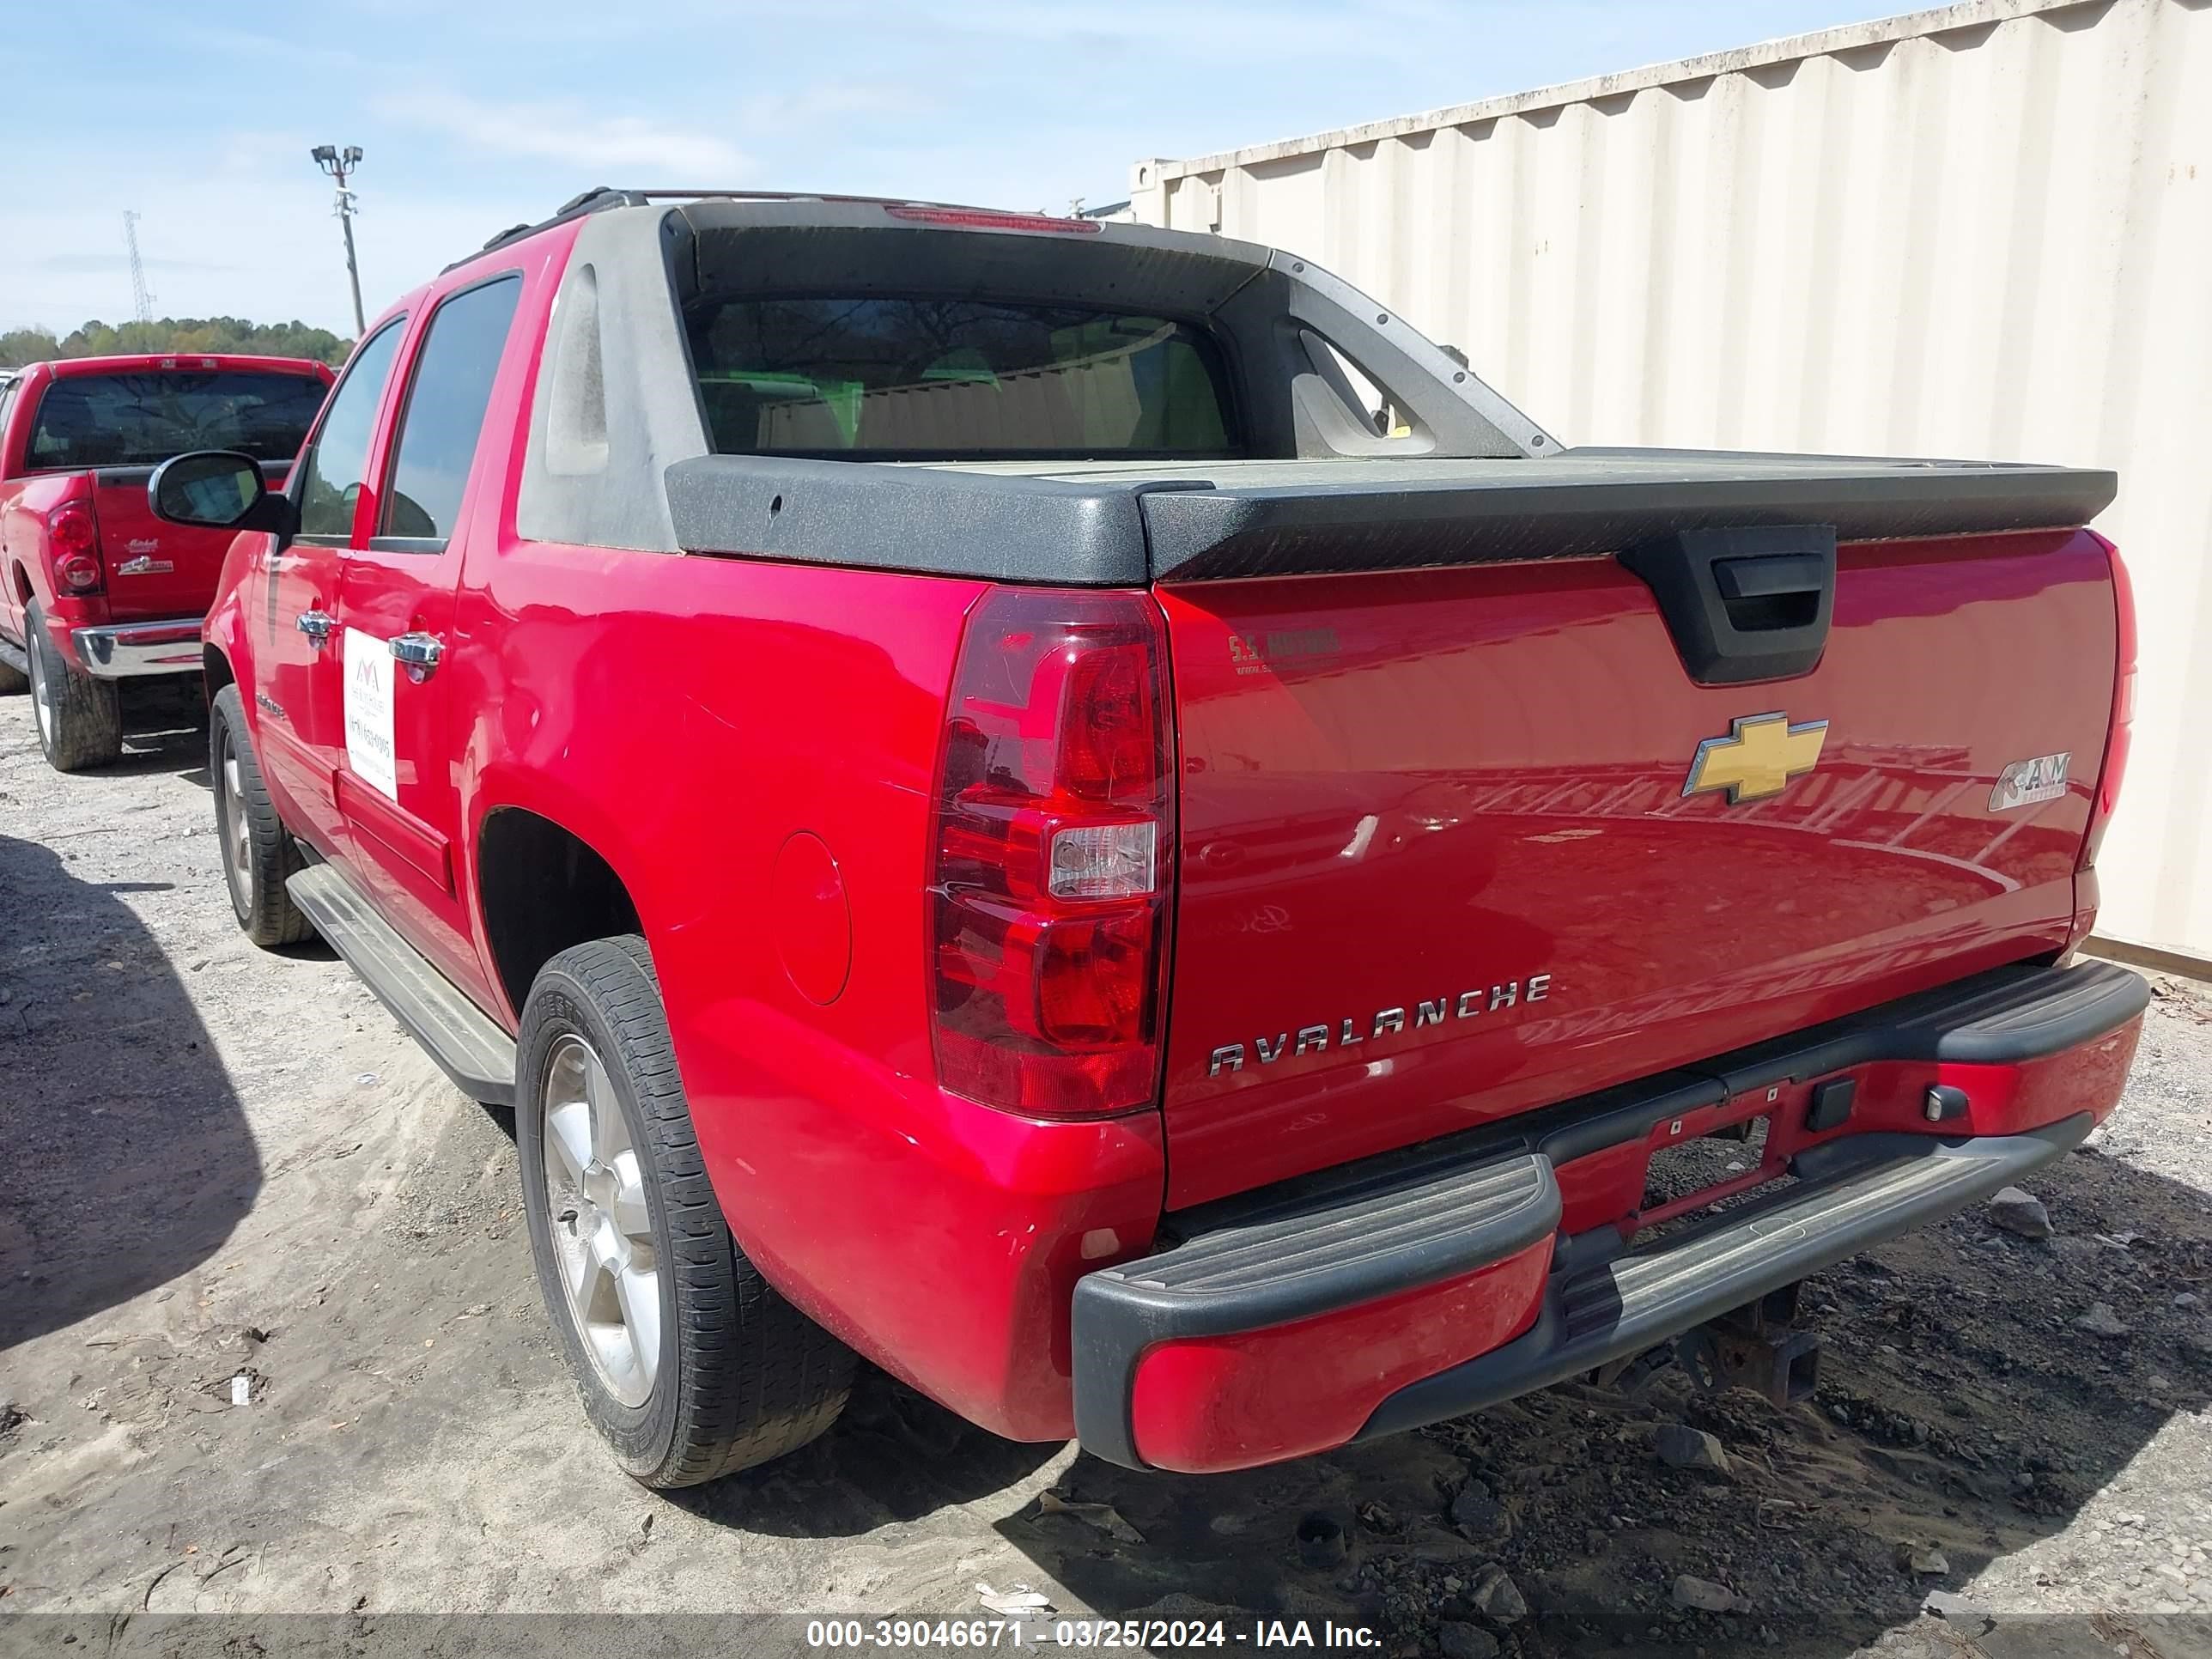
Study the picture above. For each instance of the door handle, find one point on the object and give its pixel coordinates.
(317, 625)
(418, 654)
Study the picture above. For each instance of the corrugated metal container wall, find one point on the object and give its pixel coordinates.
(1982, 232)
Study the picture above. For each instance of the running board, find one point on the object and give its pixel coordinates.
(17, 660)
(468, 1047)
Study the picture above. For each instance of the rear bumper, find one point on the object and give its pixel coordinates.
(1452, 1276)
(125, 650)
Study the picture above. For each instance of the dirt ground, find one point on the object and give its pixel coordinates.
(221, 1163)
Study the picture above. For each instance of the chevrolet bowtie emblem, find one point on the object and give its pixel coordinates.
(1759, 756)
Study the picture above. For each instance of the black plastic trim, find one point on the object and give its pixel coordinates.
(1830, 1107)
(1874, 1187)
(932, 520)
(1394, 1222)
(1709, 582)
(1582, 503)
(1218, 520)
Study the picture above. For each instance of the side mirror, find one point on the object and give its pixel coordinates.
(217, 490)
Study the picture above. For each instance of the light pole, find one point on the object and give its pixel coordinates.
(339, 165)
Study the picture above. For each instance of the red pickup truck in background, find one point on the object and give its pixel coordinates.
(986, 814)
(93, 588)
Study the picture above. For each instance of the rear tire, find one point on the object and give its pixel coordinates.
(80, 718)
(690, 1364)
(258, 851)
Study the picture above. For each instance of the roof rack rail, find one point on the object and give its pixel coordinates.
(601, 197)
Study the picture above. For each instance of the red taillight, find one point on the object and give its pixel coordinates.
(1053, 837)
(2115, 767)
(73, 540)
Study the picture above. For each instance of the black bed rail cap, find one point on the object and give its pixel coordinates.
(929, 521)
(1583, 502)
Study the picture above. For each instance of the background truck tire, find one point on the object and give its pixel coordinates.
(741, 1376)
(13, 680)
(79, 719)
(258, 851)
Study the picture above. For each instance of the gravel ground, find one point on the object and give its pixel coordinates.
(225, 1163)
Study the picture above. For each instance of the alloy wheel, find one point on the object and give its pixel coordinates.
(601, 1227)
(231, 819)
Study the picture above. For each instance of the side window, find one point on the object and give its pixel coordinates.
(337, 464)
(7, 406)
(445, 415)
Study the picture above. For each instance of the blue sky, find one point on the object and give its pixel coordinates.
(478, 113)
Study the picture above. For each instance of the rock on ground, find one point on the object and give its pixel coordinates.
(1498, 1596)
(2101, 1321)
(1702, 1594)
(1476, 1507)
(2020, 1212)
(1919, 1560)
(1681, 1447)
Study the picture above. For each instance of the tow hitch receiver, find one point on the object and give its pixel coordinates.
(1757, 1347)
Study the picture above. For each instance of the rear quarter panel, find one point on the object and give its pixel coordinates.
(691, 718)
(24, 504)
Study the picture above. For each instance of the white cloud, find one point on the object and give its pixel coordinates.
(639, 149)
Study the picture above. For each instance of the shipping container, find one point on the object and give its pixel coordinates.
(1981, 232)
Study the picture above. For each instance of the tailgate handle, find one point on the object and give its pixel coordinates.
(1782, 589)
(1774, 577)
(1744, 604)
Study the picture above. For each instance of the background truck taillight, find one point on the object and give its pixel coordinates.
(2115, 766)
(1053, 837)
(73, 546)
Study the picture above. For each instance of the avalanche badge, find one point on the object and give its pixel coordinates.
(1759, 756)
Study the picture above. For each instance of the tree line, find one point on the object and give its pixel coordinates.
(185, 336)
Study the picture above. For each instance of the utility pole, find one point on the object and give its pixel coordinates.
(141, 302)
(339, 165)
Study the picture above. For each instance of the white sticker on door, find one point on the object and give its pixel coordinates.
(368, 676)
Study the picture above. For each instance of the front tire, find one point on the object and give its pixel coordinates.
(689, 1362)
(258, 851)
(80, 718)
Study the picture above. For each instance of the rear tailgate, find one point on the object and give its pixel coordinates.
(1438, 864)
(155, 570)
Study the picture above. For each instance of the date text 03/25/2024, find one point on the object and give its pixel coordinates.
(925, 1635)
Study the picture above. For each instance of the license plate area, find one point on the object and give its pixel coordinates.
(1692, 1167)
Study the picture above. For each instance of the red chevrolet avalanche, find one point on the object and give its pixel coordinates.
(1079, 813)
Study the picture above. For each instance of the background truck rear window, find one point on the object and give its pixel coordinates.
(953, 379)
(137, 420)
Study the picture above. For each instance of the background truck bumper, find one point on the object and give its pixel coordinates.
(125, 650)
(1454, 1275)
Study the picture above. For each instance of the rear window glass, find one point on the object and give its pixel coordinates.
(137, 420)
(954, 379)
